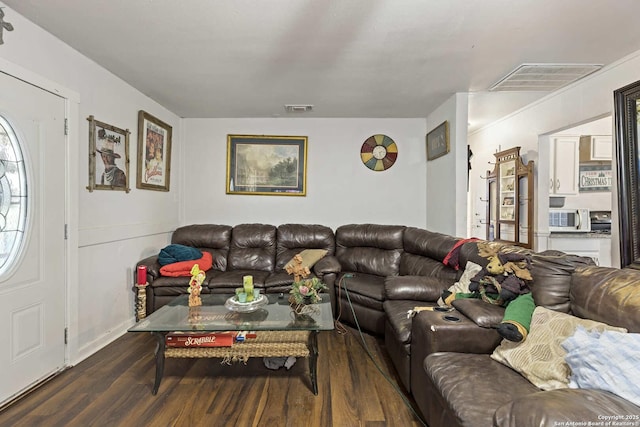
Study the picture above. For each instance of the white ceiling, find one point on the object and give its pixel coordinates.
(349, 58)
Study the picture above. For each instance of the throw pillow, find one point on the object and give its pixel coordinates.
(309, 257)
(605, 361)
(462, 285)
(540, 358)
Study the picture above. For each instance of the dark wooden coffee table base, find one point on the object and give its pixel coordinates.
(266, 344)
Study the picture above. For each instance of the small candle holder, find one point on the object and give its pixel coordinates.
(141, 301)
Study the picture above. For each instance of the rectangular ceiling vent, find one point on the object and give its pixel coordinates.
(543, 77)
(293, 108)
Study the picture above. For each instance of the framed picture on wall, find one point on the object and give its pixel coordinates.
(267, 165)
(438, 141)
(154, 153)
(108, 157)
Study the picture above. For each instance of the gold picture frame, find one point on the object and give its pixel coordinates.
(154, 153)
(438, 141)
(110, 143)
(267, 165)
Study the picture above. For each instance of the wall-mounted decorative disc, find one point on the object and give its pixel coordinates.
(379, 152)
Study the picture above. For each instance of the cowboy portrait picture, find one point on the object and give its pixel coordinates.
(108, 157)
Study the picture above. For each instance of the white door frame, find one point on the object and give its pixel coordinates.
(72, 101)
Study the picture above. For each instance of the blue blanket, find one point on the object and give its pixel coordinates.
(605, 360)
(176, 253)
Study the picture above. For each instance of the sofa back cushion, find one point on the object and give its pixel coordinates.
(370, 248)
(212, 238)
(294, 238)
(551, 271)
(424, 252)
(607, 295)
(253, 247)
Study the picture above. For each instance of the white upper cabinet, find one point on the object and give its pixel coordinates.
(565, 152)
(601, 147)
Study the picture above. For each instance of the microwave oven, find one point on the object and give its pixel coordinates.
(569, 220)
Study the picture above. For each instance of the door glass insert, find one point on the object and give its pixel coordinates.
(13, 197)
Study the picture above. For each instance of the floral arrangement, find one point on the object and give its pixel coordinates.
(306, 291)
(303, 291)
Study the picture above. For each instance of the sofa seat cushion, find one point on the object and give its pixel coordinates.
(228, 280)
(586, 405)
(280, 279)
(364, 289)
(176, 282)
(473, 386)
(176, 290)
(397, 320)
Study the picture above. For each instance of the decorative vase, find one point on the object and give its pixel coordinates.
(299, 308)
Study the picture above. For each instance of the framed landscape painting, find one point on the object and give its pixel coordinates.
(267, 165)
(154, 153)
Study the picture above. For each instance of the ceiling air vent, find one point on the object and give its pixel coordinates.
(543, 77)
(292, 108)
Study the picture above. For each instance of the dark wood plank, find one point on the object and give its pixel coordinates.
(113, 388)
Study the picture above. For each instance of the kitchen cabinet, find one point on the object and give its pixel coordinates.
(593, 245)
(596, 148)
(510, 199)
(565, 162)
(601, 147)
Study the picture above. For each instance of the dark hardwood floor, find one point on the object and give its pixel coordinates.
(113, 388)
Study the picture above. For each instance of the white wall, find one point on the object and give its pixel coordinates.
(108, 230)
(446, 185)
(591, 97)
(340, 188)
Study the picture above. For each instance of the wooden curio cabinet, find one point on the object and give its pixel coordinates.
(510, 199)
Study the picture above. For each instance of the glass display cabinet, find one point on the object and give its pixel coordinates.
(510, 199)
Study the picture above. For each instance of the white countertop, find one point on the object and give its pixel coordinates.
(587, 235)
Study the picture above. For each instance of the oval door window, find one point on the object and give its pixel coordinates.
(13, 198)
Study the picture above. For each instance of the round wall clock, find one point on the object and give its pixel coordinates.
(379, 152)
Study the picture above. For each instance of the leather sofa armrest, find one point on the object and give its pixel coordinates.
(153, 267)
(327, 269)
(480, 312)
(564, 406)
(417, 288)
(431, 332)
(327, 265)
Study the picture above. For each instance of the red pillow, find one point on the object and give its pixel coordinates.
(183, 268)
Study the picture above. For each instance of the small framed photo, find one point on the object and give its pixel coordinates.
(438, 141)
(154, 153)
(267, 165)
(111, 145)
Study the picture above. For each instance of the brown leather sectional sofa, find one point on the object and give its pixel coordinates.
(379, 272)
(259, 250)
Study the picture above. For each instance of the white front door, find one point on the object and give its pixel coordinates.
(32, 274)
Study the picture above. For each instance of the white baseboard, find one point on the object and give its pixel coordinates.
(98, 344)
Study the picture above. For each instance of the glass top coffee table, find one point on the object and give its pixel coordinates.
(279, 331)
